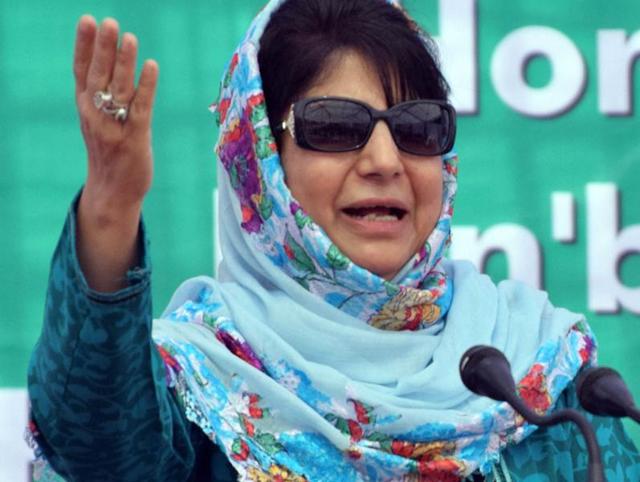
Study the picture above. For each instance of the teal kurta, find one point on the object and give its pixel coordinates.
(102, 410)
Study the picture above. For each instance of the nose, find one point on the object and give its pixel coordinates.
(380, 157)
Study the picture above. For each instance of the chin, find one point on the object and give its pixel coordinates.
(383, 257)
(379, 264)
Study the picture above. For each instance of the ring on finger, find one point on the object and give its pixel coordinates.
(104, 101)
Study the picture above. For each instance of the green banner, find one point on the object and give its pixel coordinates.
(548, 142)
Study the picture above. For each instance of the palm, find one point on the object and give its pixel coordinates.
(119, 153)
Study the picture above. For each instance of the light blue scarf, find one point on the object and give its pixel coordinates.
(301, 365)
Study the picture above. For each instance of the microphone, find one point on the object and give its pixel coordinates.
(602, 391)
(486, 371)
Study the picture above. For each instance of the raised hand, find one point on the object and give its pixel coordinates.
(120, 162)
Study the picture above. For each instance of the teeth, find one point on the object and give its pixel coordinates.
(375, 213)
(380, 217)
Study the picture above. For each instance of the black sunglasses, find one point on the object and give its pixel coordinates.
(336, 124)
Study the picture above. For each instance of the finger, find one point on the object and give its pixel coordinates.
(85, 38)
(125, 70)
(142, 103)
(104, 55)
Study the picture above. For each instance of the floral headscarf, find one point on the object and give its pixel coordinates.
(301, 365)
(276, 225)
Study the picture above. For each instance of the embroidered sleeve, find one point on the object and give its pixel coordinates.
(100, 408)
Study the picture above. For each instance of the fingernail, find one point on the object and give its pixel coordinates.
(85, 23)
(128, 40)
(108, 20)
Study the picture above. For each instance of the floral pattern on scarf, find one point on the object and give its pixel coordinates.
(261, 441)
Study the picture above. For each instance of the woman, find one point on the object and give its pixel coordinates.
(328, 348)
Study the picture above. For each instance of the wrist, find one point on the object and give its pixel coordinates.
(107, 241)
(106, 209)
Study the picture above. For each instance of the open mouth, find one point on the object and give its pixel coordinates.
(376, 213)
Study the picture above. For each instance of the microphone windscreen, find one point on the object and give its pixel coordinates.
(486, 371)
(602, 391)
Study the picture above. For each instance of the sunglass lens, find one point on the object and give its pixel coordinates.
(335, 125)
(422, 128)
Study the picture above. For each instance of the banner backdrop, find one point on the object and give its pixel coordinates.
(548, 141)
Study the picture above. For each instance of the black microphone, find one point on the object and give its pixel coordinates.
(486, 371)
(602, 391)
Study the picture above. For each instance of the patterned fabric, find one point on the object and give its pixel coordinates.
(300, 363)
(559, 454)
(270, 410)
(131, 450)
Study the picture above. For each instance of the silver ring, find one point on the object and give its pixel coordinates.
(103, 100)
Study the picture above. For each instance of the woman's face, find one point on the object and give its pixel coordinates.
(349, 193)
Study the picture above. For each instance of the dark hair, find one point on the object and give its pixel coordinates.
(302, 36)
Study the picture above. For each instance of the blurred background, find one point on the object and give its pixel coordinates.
(548, 140)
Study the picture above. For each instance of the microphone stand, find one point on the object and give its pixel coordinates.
(595, 469)
(486, 371)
